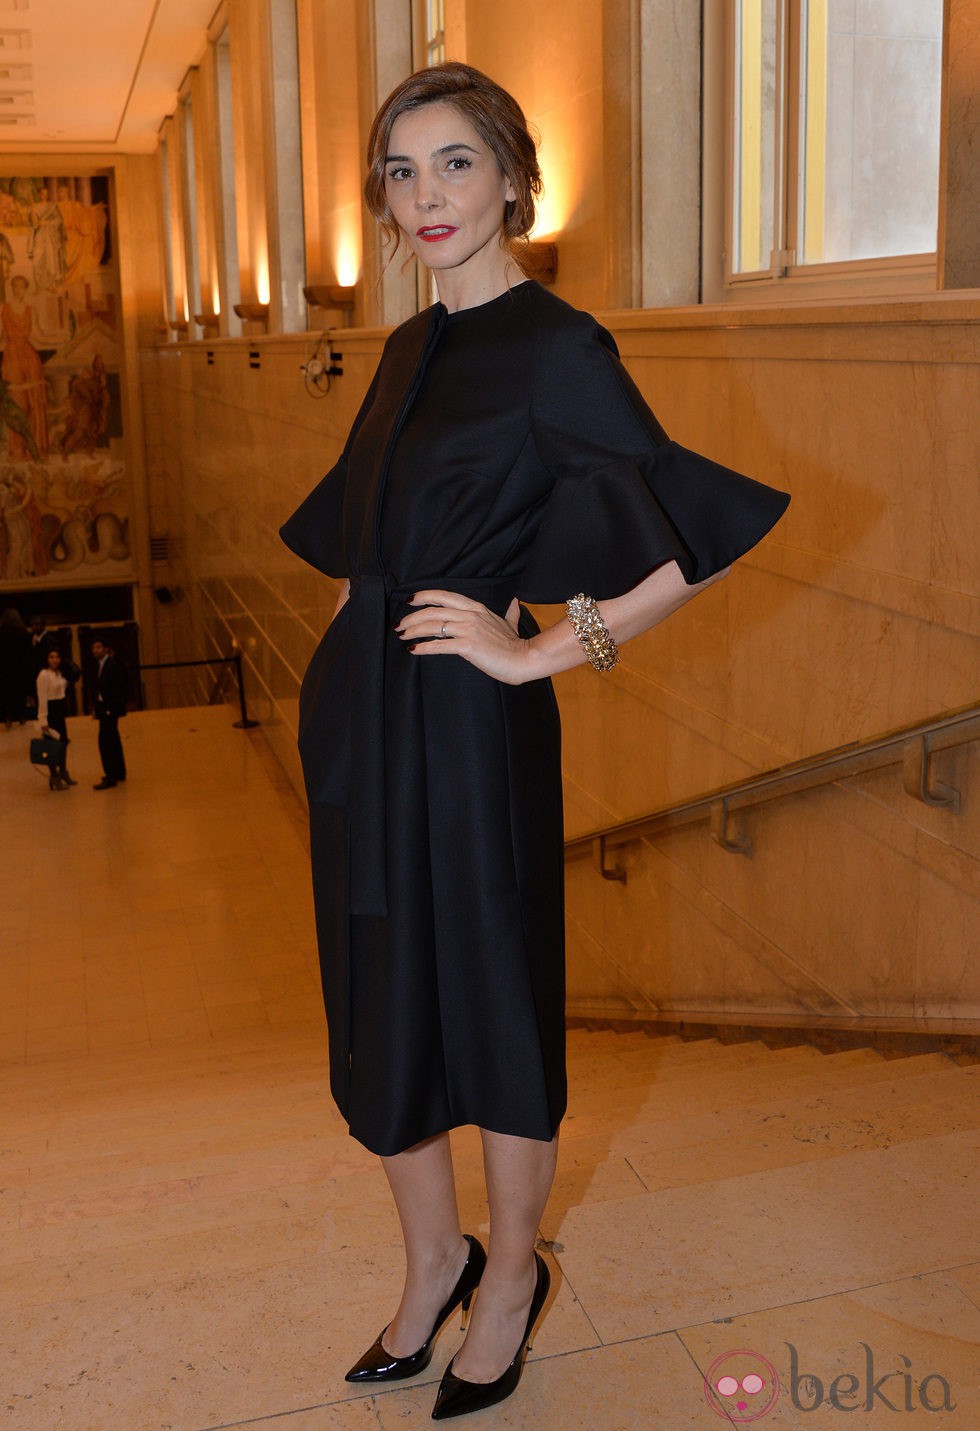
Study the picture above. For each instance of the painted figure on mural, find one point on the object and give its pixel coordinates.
(85, 230)
(6, 264)
(46, 246)
(23, 372)
(15, 499)
(63, 491)
(88, 409)
(32, 511)
(13, 416)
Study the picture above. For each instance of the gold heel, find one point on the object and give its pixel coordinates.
(458, 1397)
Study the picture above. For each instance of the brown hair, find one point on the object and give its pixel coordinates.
(494, 114)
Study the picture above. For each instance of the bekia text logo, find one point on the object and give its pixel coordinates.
(743, 1386)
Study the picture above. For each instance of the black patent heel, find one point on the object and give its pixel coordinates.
(457, 1397)
(377, 1364)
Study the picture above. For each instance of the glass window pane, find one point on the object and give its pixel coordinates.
(436, 31)
(166, 206)
(189, 207)
(870, 135)
(755, 135)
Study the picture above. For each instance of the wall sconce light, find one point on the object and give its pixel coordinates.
(208, 322)
(540, 261)
(253, 312)
(332, 295)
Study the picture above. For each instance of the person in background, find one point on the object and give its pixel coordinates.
(110, 707)
(52, 715)
(42, 641)
(16, 672)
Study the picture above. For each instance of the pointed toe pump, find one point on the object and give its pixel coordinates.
(457, 1397)
(377, 1364)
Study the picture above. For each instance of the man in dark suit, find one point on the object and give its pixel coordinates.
(110, 706)
(42, 641)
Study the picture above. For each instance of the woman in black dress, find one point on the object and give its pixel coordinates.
(501, 454)
(52, 714)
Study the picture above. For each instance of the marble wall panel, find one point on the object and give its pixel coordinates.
(557, 71)
(947, 983)
(955, 531)
(823, 918)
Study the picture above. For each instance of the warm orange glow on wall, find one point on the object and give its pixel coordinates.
(558, 201)
(262, 274)
(347, 250)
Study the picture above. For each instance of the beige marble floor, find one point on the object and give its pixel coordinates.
(190, 1240)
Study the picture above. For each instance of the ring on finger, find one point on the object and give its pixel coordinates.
(442, 633)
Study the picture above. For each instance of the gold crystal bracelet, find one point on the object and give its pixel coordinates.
(592, 632)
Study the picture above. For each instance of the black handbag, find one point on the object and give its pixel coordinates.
(47, 752)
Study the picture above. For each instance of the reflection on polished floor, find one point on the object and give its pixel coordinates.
(190, 1240)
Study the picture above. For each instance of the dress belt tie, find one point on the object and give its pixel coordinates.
(375, 608)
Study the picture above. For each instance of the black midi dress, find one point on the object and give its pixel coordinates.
(501, 451)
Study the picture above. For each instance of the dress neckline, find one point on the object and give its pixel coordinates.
(491, 303)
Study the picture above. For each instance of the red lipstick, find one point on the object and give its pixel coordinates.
(435, 233)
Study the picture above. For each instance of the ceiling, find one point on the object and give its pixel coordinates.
(94, 75)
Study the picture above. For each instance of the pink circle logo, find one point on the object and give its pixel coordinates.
(741, 1386)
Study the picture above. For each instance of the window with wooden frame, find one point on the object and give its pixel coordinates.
(831, 145)
(428, 22)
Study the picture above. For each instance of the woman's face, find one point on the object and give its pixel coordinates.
(445, 188)
(54, 659)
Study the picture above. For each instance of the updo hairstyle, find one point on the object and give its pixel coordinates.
(494, 114)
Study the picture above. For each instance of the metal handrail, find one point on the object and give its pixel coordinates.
(913, 745)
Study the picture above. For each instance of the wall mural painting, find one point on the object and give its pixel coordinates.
(63, 486)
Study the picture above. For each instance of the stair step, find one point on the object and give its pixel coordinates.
(735, 1087)
(707, 1146)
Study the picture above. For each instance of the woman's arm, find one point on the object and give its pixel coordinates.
(342, 599)
(492, 644)
(42, 698)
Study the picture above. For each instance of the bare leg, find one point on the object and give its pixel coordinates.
(519, 1173)
(424, 1190)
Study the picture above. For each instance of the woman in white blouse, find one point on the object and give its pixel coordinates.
(52, 712)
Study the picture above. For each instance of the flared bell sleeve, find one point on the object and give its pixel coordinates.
(625, 498)
(316, 530)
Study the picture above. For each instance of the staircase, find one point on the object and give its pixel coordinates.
(716, 1109)
(197, 1243)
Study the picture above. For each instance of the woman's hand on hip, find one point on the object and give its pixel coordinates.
(448, 624)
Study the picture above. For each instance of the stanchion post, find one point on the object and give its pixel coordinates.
(244, 723)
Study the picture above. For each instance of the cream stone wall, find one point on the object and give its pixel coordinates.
(234, 441)
(558, 72)
(861, 613)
